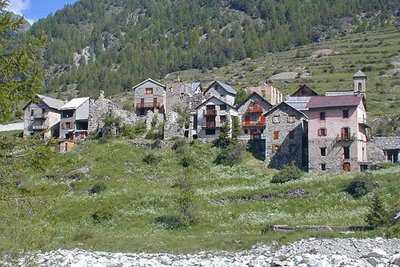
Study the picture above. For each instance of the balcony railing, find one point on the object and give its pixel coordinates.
(210, 112)
(41, 116)
(40, 126)
(142, 105)
(254, 124)
(345, 137)
(210, 125)
(255, 109)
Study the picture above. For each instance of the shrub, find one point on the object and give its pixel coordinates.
(178, 143)
(103, 213)
(286, 174)
(377, 214)
(134, 131)
(97, 188)
(393, 231)
(359, 186)
(230, 155)
(150, 158)
(187, 160)
(185, 201)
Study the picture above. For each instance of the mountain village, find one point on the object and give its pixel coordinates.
(328, 133)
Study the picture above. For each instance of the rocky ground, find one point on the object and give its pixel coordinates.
(312, 252)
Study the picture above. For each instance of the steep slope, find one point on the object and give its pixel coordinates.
(111, 45)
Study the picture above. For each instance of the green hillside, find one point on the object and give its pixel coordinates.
(109, 195)
(112, 45)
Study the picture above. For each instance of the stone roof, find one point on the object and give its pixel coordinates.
(226, 87)
(359, 74)
(74, 103)
(49, 101)
(304, 90)
(214, 97)
(339, 93)
(152, 81)
(285, 104)
(256, 95)
(298, 102)
(333, 101)
(387, 143)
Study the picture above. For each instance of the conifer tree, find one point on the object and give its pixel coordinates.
(377, 214)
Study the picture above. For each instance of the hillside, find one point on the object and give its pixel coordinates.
(111, 45)
(106, 196)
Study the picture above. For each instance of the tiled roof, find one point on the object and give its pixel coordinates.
(333, 101)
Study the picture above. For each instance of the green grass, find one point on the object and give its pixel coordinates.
(42, 214)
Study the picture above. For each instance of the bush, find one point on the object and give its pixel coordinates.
(134, 131)
(178, 143)
(393, 231)
(187, 160)
(103, 213)
(230, 155)
(97, 188)
(377, 214)
(150, 158)
(286, 174)
(359, 186)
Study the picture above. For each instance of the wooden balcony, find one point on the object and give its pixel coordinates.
(149, 105)
(256, 108)
(39, 127)
(210, 112)
(257, 124)
(345, 137)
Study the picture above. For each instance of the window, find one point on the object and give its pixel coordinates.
(276, 135)
(43, 110)
(222, 107)
(293, 148)
(322, 116)
(291, 119)
(323, 167)
(222, 119)
(246, 131)
(68, 114)
(323, 151)
(32, 112)
(62, 125)
(149, 91)
(276, 119)
(345, 114)
(291, 134)
(346, 152)
(210, 132)
(322, 132)
(68, 125)
(275, 149)
(345, 133)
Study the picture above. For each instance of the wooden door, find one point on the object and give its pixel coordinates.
(262, 118)
(346, 167)
(247, 120)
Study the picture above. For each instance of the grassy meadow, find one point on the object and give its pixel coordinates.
(135, 207)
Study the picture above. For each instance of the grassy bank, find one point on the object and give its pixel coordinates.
(135, 207)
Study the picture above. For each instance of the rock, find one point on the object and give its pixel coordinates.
(395, 259)
(165, 260)
(377, 253)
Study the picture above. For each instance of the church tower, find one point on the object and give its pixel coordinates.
(360, 83)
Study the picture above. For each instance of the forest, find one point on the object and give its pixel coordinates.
(128, 41)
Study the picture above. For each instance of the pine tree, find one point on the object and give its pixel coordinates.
(377, 214)
(236, 129)
(21, 72)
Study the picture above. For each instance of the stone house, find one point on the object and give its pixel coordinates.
(285, 137)
(251, 117)
(381, 149)
(337, 133)
(211, 116)
(150, 95)
(42, 116)
(268, 92)
(222, 91)
(301, 97)
(74, 122)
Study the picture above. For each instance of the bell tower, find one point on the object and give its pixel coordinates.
(360, 83)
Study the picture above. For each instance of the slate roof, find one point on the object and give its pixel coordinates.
(298, 102)
(214, 97)
(284, 104)
(49, 101)
(150, 80)
(359, 74)
(387, 143)
(304, 90)
(74, 103)
(226, 87)
(333, 101)
(339, 93)
(255, 94)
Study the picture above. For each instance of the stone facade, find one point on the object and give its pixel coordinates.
(284, 143)
(75, 119)
(222, 91)
(381, 149)
(41, 119)
(251, 116)
(150, 95)
(268, 92)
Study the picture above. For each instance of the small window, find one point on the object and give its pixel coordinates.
(323, 167)
(346, 152)
(222, 119)
(149, 91)
(322, 116)
(210, 132)
(222, 107)
(275, 149)
(276, 119)
(323, 151)
(68, 125)
(293, 148)
(345, 114)
(291, 134)
(43, 110)
(32, 112)
(276, 135)
(246, 131)
(291, 119)
(322, 132)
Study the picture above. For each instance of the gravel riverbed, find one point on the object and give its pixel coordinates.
(311, 252)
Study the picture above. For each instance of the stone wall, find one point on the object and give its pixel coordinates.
(377, 145)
